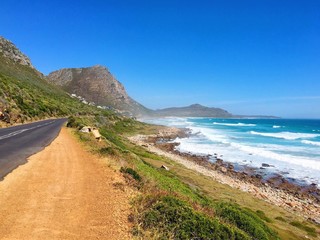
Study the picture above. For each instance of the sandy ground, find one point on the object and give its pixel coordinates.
(64, 192)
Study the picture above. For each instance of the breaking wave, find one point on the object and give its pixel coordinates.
(235, 124)
(311, 142)
(286, 135)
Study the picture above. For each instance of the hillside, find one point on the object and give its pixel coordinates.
(26, 95)
(97, 85)
(195, 110)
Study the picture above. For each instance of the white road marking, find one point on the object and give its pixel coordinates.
(23, 130)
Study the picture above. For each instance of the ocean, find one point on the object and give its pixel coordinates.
(290, 146)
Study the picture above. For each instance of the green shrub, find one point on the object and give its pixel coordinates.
(245, 220)
(280, 219)
(174, 218)
(71, 122)
(310, 230)
(263, 216)
(113, 137)
(131, 172)
(107, 151)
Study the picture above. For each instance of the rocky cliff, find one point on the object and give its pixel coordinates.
(10, 51)
(97, 85)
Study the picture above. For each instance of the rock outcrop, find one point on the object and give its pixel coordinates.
(10, 51)
(96, 84)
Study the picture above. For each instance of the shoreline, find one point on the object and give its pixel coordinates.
(302, 200)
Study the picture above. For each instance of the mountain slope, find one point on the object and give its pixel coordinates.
(96, 84)
(26, 95)
(195, 110)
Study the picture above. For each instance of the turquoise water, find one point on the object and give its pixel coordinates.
(291, 146)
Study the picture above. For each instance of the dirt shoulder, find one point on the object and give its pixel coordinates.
(64, 192)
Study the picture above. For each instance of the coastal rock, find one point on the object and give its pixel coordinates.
(219, 161)
(223, 169)
(291, 204)
(266, 165)
(230, 166)
(165, 167)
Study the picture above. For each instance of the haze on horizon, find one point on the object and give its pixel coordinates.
(248, 57)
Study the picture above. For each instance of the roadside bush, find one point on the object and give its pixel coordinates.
(174, 218)
(71, 122)
(107, 151)
(245, 220)
(132, 173)
(75, 122)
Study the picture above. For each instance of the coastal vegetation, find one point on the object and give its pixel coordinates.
(176, 204)
(27, 96)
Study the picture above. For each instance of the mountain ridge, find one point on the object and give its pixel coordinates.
(91, 85)
(193, 110)
(96, 84)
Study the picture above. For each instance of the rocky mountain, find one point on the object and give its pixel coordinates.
(10, 51)
(195, 110)
(26, 96)
(96, 84)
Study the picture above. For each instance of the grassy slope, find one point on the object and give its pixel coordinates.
(29, 97)
(214, 205)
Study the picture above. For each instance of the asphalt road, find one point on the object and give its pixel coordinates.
(20, 142)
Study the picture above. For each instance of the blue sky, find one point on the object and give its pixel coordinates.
(248, 56)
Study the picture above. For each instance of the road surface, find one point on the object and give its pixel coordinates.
(18, 143)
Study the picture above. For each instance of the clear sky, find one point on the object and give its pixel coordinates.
(248, 56)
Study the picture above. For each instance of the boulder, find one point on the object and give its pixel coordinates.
(223, 169)
(266, 165)
(291, 204)
(165, 167)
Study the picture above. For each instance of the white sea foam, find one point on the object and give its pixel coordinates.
(311, 142)
(240, 147)
(169, 121)
(194, 145)
(301, 161)
(187, 145)
(235, 124)
(212, 134)
(286, 135)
